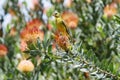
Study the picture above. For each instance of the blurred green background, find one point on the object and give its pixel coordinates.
(28, 50)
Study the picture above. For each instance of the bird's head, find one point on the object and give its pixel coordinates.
(56, 14)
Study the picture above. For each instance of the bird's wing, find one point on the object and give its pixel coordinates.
(66, 27)
(69, 36)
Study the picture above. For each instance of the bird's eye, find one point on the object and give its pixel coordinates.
(55, 13)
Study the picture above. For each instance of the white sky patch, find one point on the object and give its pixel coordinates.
(2, 2)
(45, 18)
(1, 12)
(25, 12)
(67, 3)
(46, 3)
(29, 3)
(7, 20)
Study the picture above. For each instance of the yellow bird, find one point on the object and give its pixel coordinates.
(61, 26)
(64, 37)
